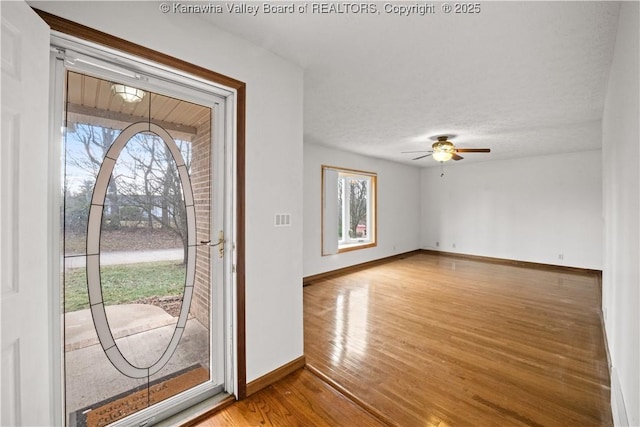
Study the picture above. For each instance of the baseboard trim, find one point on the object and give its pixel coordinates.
(513, 262)
(355, 399)
(352, 268)
(308, 280)
(618, 408)
(275, 375)
(603, 327)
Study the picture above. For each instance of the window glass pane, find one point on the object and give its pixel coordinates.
(358, 206)
(354, 209)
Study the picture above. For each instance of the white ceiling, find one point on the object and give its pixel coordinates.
(521, 78)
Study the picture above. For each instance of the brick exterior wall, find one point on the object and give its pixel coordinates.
(201, 184)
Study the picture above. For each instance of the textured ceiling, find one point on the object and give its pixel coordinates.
(521, 78)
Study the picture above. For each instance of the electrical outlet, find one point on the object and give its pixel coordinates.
(454, 245)
(437, 244)
(560, 256)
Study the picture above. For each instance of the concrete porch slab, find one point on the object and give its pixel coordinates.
(124, 320)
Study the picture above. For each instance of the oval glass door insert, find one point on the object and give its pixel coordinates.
(138, 149)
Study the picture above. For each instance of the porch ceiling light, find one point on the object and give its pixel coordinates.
(127, 93)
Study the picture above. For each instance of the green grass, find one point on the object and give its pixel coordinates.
(125, 283)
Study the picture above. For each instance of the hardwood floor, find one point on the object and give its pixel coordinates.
(437, 341)
(442, 341)
(300, 399)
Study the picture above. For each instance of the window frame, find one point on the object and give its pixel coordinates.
(350, 244)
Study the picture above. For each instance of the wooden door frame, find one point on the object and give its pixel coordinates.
(66, 26)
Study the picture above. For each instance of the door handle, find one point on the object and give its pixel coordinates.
(220, 243)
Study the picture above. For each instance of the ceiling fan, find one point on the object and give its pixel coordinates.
(444, 150)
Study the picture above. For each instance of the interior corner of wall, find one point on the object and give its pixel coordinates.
(618, 408)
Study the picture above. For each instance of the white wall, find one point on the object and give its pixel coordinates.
(398, 208)
(621, 181)
(274, 334)
(531, 209)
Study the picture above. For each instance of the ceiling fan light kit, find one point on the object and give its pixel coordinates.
(442, 156)
(444, 150)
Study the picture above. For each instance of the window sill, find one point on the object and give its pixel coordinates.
(355, 246)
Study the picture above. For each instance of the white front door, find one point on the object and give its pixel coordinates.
(25, 208)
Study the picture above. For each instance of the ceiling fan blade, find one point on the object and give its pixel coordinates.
(473, 150)
(456, 157)
(421, 151)
(422, 157)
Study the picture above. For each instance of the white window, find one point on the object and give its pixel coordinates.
(348, 210)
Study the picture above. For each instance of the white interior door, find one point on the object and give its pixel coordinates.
(24, 219)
